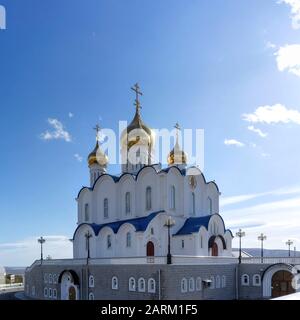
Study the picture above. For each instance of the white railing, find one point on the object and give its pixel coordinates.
(4, 287)
(272, 260)
(182, 260)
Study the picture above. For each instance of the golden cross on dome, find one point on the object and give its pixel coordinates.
(177, 127)
(136, 89)
(97, 129)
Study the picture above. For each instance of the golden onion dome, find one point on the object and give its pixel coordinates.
(176, 155)
(97, 156)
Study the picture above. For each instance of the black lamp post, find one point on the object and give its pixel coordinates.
(262, 238)
(169, 224)
(240, 234)
(88, 235)
(289, 243)
(41, 240)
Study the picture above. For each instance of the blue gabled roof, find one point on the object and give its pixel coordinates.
(192, 225)
(140, 224)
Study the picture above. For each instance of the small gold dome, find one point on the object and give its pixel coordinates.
(97, 156)
(177, 156)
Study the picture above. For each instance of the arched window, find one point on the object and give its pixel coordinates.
(245, 280)
(210, 210)
(182, 244)
(91, 281)
(45, 292)
(105, 208)
(223, 281)
(54, 294)
(198, 284)
(201, 241)
(108, 241)
(55, 278)
(114, 283)
(193, 204)
(151, 285)
(91, 296)
(127, 203)
(131, 284)
(50, 293)
(212, 284)
(141, 285)
(50, 278)
(46, 278)
(128, 239)
(256, 280)
(218, 282)
(148, 198)
(86, 212)
(172, 198)
(191, 284)
(183, 285)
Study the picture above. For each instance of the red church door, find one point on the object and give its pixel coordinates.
(150, 249)
(214, 250)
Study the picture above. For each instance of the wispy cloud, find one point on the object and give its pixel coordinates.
(258, 131)
(233, 142)
(288, 59)
(78, 157)
(26, 251)
(71, 115)
(58, 131)
(270, 45)
(295, 11)
(277, 113)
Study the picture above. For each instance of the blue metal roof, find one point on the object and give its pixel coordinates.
(193, 225)
(140, 224)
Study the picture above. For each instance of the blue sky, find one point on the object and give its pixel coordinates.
(206, 64)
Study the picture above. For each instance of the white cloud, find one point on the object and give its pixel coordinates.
(233, 142)
(265, 155)
(78, 157)
(278, 219)
(288, 59)
(224, 201)
(270, 45)
(258, 131)
(58, 131)
(277, 113)
(71, 115)
(295, 11)
(26, 251)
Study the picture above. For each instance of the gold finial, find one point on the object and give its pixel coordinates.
(136, 89)
(97, 129)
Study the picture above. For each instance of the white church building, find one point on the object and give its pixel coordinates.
(163, 224)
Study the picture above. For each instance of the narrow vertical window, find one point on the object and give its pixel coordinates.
(127, 203)
(148, 198)
(210, 209)
(108, 241)
(172, 198)
(86, 212)
(128, 240)
(105, 207)
(193, 204)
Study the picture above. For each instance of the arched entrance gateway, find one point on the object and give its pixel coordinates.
(150, 249)
(282, 283)
(277, 280)
(69, 285)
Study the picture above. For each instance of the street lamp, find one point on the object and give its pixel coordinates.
(88, 235)
(289, 243)
(169, 224)
(262, 238)
(240, 234)
(41, 240)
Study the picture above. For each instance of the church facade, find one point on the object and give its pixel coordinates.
(148, 233)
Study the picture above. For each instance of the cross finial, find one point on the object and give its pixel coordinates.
(177, 127)
(97, 129)
(136, 89)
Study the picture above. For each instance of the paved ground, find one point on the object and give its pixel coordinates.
(9, 295)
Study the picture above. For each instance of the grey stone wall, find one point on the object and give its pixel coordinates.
(170, 281)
